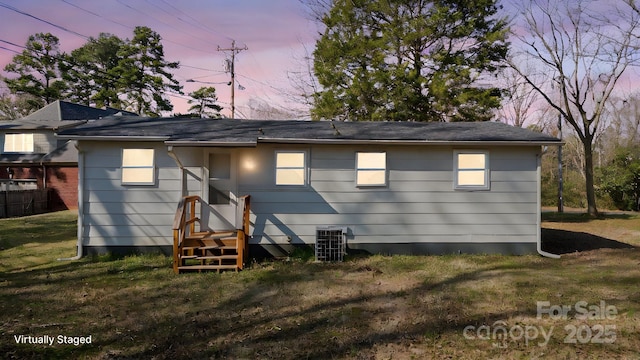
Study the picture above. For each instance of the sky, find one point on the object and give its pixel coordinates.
(276, 33)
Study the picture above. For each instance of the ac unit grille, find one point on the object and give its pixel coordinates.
(330, 243)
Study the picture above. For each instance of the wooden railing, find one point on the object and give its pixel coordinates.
(184, 228)
(184, 224)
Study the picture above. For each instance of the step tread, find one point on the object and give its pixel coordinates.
(214, 247)
(214, 257)
(189, 247)
(214, 235)
(207, 267)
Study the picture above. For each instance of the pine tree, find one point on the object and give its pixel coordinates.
(91, 72)
(37, 69)
(144, 74)
(204, 103)
(409, 60)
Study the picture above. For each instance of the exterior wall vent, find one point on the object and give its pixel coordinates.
(330, 243)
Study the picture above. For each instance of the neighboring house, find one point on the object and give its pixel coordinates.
(32, 157)
(389, 187)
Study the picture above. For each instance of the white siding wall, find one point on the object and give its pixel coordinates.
(127, 215)
(418, 205)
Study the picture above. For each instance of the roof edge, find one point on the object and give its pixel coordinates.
(113, 138)
(166, 140)
(211, 143)
(410, 142)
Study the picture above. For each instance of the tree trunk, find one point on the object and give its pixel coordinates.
(588, 174)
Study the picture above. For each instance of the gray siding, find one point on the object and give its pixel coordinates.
(419, 204)
(43, 141)
(127, 215)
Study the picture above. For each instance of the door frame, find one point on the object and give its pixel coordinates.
(223, 216)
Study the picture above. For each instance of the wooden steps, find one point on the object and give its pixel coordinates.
(206, 250)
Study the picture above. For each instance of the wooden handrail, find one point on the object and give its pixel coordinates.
(180, 223)
(180, 212)
(244, 203)
(184, 224)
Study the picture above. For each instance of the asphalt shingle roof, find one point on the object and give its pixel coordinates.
(58, 115)
(63, 111)
(204, 131)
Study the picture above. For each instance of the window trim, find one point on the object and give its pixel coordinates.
(486, 169)
(22, 135)
(305, 167)
(151, 167)
(371, 169)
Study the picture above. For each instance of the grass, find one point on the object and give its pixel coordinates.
(375, 307)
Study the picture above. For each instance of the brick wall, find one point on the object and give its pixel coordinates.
(62, 180)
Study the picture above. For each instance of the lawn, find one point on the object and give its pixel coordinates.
(374, 307)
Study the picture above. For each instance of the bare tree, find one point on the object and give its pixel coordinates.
(303, 80)
(623, 125)
(260, 109)
(317, 9)
(581, 48)
(518, 106)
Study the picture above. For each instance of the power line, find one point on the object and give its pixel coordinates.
(62, 59)
(42, 20)
(127, 26)
(112, 21)
(4, 48)
(96, 15)
(14, 44)
(203, 26)
(199, 68)
(166, 24)
(280, 91)
(173, 15)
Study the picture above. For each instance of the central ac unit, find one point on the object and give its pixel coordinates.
(331, 243)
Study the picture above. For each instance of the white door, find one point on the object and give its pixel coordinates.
(221, 191)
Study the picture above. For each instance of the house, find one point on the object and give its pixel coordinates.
(383, 187)
(33, 158)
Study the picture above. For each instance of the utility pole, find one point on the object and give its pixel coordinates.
(231, 68)
(560, 180)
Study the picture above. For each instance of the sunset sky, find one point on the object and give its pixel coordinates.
(276, 33)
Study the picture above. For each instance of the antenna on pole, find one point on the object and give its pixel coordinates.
(231, 68)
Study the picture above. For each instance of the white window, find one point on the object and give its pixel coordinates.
(138, 167)
(371, 169)
(291, 168)
(18, 143)
(471, 170)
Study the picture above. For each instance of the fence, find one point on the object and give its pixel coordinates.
(23, 202)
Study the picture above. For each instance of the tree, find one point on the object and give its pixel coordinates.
(17, 106)
(621, 179)
(91, 71)
(582, 49)
(37, 69)
(518, 106)
(260, 109)
(144, 73)
(409, 60)
(204, 103)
